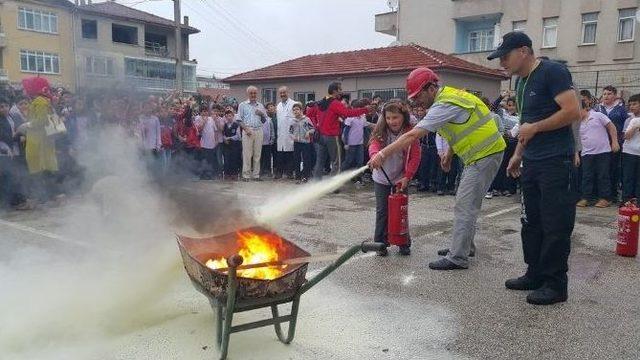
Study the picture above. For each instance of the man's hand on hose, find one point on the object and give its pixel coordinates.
(376, 161)
(513, 169)
(401, 185)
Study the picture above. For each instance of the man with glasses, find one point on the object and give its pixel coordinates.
(548, 105)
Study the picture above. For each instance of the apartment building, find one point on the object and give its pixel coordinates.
(118, 46)
(597, 39)
(35, 38)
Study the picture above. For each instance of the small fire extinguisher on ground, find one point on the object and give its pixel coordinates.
(628, 221)
(397, 216)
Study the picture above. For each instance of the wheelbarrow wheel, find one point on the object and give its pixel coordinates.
(292, 323)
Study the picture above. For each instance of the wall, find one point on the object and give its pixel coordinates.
(17, 39)
(489, 87)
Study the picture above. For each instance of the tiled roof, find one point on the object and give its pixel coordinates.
(113, 9)
(370, 61)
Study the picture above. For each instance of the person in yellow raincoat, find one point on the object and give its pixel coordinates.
(40, 149)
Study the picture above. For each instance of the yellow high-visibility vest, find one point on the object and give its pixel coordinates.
(476, 138)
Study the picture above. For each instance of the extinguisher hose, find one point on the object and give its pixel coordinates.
(389, 180)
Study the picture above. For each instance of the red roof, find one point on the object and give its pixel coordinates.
(403, 58)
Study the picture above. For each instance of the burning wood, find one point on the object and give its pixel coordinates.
(255, 249)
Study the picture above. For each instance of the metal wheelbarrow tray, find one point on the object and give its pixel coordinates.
(228, 293)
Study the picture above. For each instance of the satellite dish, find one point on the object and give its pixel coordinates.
(393, 4)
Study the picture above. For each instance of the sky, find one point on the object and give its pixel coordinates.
(242, 35)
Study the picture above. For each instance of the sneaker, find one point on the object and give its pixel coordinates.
(246, 179)
(546, 296)
(489, 195)
(257, 179)
(384, 252)
(506, 193)
(522, 283)
(583, 203)
(444, 264)
(304, 180)
(359, 183)
(440, 193)
(405, 251)
(496, 193)
(602, 203)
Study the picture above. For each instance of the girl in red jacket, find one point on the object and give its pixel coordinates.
(400, 167)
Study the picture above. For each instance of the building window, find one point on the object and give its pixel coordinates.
(385, 94)
(89, 29)
(550, 32)
(124, 34)
(626, 24)
(150, 69)
(520, 25)
(39, 62)
(589, 28)
(480, 40)
(269, 95)
(304, 96)
(36, 20)
(98, 65)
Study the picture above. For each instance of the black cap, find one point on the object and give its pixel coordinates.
(510, 41)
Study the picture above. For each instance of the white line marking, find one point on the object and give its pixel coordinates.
(503, 211)
(42, 233)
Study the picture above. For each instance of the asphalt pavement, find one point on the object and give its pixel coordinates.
(387, 308)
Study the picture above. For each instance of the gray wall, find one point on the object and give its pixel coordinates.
(488, 86)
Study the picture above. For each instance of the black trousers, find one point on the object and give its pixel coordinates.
(284, 164)
(211, 168)
(232, 158)
(265, 160)
(595, 175)
(502, 181)
(548, 216)
(381, 231)
(429, 164)
(630, 176)
(615, 171)
(303, 153)
(447, 180)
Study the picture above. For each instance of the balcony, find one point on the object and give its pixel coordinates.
(386, 23)
(155, 49)
(4, 77)
(158, 85)
(472, 8)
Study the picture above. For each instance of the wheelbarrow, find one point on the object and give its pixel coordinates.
(229, 293)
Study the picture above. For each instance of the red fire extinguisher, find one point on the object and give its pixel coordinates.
(628, 220)
(397, 216)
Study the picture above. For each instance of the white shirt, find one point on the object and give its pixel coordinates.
(208, 138)
(632, 146)
(285, 119)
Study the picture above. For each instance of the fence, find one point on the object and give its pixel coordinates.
(627, 81)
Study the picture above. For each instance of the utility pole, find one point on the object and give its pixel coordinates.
(179, 51)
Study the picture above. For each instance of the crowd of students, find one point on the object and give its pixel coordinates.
(211, 139)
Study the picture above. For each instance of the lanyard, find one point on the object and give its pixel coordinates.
(520, 100)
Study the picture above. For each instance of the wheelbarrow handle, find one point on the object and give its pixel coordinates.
(368, 246)
(364, 247)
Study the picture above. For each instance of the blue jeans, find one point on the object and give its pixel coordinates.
(354, 157)
(165, 157)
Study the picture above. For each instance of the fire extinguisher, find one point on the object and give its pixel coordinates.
(628, 220)
(397, 216)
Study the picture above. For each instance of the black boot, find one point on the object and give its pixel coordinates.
(546, 296)
(523, 283)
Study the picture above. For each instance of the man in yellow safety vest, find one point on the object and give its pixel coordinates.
(471, 131)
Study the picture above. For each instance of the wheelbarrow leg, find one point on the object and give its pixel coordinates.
(219, 318)
(292, 323)
(232, 288)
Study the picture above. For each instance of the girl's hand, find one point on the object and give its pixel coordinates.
(402, 184)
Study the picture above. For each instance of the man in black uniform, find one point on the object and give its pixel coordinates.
(548, 105)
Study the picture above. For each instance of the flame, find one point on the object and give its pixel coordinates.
(254, 249)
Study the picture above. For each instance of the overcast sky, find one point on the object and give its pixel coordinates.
(241, 35)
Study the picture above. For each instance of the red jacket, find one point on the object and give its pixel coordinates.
(329, 110)
(411, 156)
